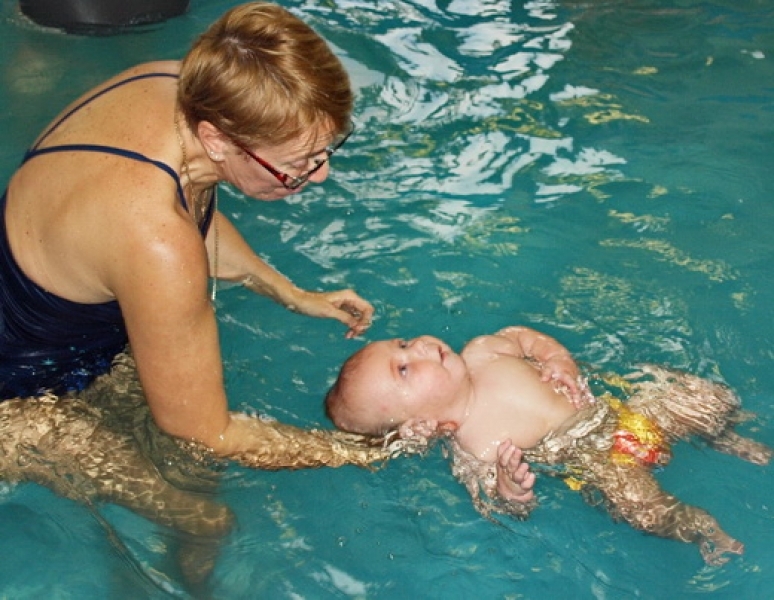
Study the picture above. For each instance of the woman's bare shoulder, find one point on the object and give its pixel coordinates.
(159, 66)
(159, 250)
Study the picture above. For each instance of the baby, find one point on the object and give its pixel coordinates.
(518, 396)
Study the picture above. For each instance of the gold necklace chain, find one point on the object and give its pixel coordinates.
(186, 170)
(214, 291)
(189, 186)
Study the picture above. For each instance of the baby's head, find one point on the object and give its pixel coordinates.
(389, 383)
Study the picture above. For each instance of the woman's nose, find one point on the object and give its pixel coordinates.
(321, 174)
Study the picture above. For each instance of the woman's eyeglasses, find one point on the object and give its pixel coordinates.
(289, 181)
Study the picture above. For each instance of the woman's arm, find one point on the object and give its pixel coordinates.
(236, 261)
(159, 274)
(267, 444)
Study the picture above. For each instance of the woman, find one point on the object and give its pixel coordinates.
(110, 227)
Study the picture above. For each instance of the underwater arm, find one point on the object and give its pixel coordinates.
(268, 444)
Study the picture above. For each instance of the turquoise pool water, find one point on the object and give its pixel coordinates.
(599, 170)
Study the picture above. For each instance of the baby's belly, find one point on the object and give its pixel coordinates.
(519, 407)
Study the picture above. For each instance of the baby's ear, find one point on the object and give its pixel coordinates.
(418, 428)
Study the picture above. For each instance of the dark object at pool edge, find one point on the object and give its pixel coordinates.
(100, 17)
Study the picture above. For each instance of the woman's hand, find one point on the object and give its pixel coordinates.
(343, 305)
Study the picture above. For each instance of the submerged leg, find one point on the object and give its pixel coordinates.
(730, 442)
(200, 523)
(63, 444)
(635, 496)
(684, 405)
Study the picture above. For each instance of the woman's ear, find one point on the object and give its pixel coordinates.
(214, 142)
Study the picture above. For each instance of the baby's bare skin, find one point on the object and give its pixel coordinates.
(495, 413)
(514, 479)
(507, 393)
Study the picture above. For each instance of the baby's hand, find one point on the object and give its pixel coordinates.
(563, 371)
(514, 479)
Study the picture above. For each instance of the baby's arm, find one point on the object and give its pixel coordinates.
(514, 479)
(556, 362)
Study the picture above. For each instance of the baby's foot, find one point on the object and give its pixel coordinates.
(715, 550)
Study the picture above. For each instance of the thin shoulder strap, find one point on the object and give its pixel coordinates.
(36, 151)
(209, 212)
(117, 152)
(80, 105)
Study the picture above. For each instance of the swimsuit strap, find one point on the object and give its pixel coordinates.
(37, 151)
(116, 152)
(80, 105)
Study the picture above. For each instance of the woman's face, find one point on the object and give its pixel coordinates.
(269, 172)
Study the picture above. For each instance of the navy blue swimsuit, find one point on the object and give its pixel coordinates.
(48, 342)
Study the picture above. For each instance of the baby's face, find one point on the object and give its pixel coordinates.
(398, 380)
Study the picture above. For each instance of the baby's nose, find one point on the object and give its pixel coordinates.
(421, 344)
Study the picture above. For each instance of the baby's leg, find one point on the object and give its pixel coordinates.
(684, 405)
(636, 497)
(747, 449)
(681, 404)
